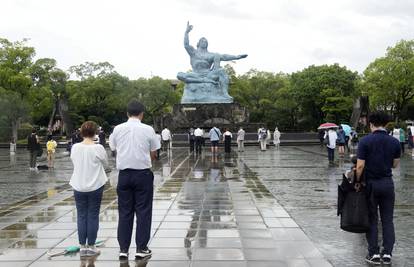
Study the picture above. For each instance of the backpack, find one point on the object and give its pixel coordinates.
(326, 139)
(263, 133)
(354, 137)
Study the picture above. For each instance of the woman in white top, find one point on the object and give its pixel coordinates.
(276, 138)
(88, 180)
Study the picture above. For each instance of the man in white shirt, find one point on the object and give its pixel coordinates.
(240, 139)
(136, 145)
(159, 138)
(198, 133)
(331, 136)
(166, 138)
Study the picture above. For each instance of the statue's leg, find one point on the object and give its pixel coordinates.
(194, 78)
(223, 79)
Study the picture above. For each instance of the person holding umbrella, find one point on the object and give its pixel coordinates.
(330, 139)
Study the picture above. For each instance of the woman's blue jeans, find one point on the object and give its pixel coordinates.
(88, 205)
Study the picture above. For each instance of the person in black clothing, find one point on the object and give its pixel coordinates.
(410, 138)
(191, 139)
(321, 136)
(377, 154)
(33, 147)
(101, 136)
(227, 136)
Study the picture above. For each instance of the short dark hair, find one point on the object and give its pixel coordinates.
(34, 131)
(49, 137)
(88, 129)
(379, 118)
(135, 108)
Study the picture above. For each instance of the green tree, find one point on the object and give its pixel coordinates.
(389, 80)
(98, 95)
(258, 91)
(51, 83)
(15, 83)
(320, 90)
(157, 95)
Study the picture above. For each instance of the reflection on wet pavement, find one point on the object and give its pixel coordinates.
(208, 210)
(304, 184)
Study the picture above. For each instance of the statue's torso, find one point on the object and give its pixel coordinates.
(201, 62)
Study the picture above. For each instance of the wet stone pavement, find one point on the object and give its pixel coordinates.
(273, 208)
(17, 183)
(306, 186)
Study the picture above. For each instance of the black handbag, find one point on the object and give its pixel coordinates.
(355, 212)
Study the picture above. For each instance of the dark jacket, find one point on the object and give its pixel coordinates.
(102, 139)
(32, 144)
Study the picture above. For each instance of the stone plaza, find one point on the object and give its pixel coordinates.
(273, 208)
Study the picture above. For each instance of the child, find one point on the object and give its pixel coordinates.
(88, 181)
(51, 149)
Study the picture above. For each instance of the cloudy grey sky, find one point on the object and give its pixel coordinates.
(143, 38)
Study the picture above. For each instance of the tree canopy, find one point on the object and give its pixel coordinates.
(389, 80)
(38, 92)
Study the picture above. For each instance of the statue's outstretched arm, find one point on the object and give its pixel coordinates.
(225, 57)
(187, 46)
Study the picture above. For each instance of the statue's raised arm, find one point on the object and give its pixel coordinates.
(187, 46)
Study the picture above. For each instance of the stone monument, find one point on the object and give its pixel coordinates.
(208, 82)
(206, 101)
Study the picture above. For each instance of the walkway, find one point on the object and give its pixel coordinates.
(208, 211)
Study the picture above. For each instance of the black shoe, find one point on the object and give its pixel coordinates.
(123, 256)
(386, 259)
(142, 253)
(374, 259)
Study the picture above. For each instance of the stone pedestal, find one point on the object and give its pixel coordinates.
(223, 115)
(205, 93)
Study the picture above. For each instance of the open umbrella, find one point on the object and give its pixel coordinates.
(347, 129)
(327, 125)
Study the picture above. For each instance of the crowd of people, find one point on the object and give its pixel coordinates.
(196, 138)
(337, 137)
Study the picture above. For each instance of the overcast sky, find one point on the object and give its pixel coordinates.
(145, 37)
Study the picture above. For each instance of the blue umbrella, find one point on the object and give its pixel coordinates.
(347, 129)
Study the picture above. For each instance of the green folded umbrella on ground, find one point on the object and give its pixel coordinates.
(71, 250)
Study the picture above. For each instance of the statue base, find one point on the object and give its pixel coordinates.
(223, 115)
(204, 93)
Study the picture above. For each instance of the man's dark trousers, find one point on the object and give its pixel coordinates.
(331, 154)
(199, 143)
(135, 192)
(383, 197)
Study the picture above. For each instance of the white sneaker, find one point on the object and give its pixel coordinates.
(92, 251)
(123, 256)
(386, 259)
(83, 251)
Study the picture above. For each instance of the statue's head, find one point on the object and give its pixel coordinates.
(202, 43)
